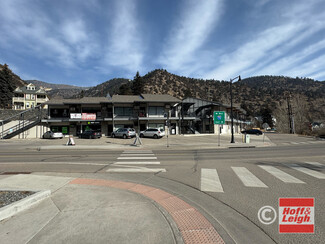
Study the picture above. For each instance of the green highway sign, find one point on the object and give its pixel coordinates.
(219, 117)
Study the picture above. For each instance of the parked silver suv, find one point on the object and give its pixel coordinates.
(124, 133)
(153, 132)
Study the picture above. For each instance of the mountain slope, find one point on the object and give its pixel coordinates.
(8, 83)
(253, 94)
(58, 90)
(111, 86)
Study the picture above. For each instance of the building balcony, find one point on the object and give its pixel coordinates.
(18, 99)
(41, 99)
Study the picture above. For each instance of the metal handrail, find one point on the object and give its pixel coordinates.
(19, 114)
(18, 127)
(27, 119)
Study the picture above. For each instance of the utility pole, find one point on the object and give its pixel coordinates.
(290, 114)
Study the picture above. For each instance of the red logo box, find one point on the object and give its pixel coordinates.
(296, 215)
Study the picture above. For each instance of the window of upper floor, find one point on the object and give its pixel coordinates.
(156, 111)
(31, 88)
(123, 111)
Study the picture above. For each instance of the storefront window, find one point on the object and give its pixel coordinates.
(63, 129)
(156, 125)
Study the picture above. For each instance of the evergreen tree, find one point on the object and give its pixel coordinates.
(125, 89)
(7, 87)
(267, 116)
(188, 93)
(138, 84)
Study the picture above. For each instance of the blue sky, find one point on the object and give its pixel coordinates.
(86, 42)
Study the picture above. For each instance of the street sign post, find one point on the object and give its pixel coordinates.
(219, 119)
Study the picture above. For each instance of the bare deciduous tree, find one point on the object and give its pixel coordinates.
(300, 115)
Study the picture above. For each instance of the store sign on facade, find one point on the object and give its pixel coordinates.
(87, 116)
(75, 116)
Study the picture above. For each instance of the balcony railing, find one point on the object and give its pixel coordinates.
(18, 99)
(41, 99)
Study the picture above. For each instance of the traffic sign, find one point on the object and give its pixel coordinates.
(219, 117)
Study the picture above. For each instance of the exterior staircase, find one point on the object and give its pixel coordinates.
(23, 121)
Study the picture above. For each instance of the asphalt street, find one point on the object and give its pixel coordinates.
(228, 185)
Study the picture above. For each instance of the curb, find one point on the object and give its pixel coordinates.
(27, 202)
(242, 147)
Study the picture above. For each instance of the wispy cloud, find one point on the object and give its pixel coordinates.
(271, 51)
(59, 41)
(197, 20)
(125, 47)
(287, 63)
(251, 52)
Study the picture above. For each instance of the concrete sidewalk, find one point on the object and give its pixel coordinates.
(102, 211)
(174, 142)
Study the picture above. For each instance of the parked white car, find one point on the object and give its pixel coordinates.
(124, 133)
(153, 132)
(52, 135)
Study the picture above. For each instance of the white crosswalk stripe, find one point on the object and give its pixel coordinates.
(315, 164)
(128, 160)
(137, 162)
(137, 158)
(283, 176)
(247, 177)
(300, 143)
(137, 152)
(210, 181)
(136, 170)
(307, 171)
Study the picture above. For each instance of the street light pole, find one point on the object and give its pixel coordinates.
(231, 112)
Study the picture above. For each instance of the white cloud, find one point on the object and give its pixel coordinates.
(311, 68)
(74, 31)
(282, 65)
(190, 33)
(250, 53)
(125, 46)
(60, 41)
(271, 51)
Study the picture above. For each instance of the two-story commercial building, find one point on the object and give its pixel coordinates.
(27, 97)
(73, 116)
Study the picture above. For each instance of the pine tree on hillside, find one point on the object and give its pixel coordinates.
(7, 87)
(125, 89)
(138, 84)
(267, 116)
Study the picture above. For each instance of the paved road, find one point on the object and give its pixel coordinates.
(229, 185)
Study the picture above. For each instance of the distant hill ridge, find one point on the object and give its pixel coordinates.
(54, 86)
